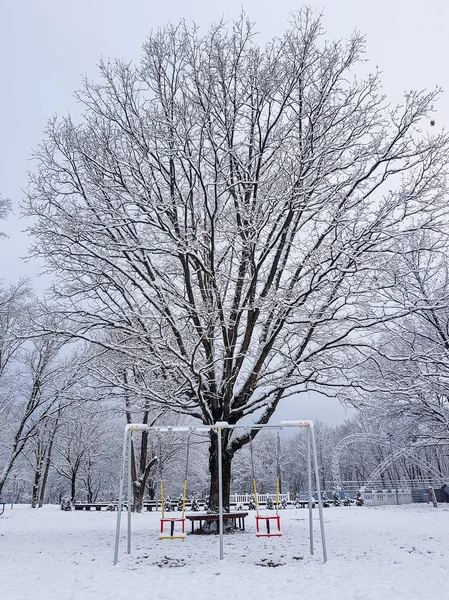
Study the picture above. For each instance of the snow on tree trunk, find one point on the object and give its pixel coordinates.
(213, 470)
(35, 490)
(138, 495)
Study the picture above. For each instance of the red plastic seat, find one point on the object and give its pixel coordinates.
(172, 536)
(269, 533)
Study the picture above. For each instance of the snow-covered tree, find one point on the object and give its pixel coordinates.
(219, 214)
(47, 378)
(326, 501)
(5, 209)
(39, 451)
(80, 447)
(403, 372)
(359, 500)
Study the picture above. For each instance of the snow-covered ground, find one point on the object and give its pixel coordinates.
(374, 553)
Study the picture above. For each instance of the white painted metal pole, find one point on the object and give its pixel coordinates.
(320, 501)
(309, 481)
(220, 492)
(120, 497)
(129, 492)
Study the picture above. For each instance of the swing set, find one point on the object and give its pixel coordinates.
(172, 521)
(217, 428)
(267, 519)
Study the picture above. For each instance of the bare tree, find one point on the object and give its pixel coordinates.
(46, 463)
(5, 209)
(14, 324)
(39, 453)
(143, 453)
(79, 445)
(403, 373)
(44, 382)
(220, 213)
(121, 380)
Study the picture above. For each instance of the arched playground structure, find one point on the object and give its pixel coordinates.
(409, 452)
(125, 474)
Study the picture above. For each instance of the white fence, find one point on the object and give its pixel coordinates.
(372, 498)
(384, 497)
(262, 498)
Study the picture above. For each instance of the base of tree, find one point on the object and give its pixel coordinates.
(211, 527)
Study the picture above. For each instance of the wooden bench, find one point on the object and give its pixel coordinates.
(149, 505)
(212, 517)
(305, 503)
(88, 506)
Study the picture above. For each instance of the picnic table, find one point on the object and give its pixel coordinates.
(211, 517)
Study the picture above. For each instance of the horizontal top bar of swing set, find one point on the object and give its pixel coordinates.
(134, 427)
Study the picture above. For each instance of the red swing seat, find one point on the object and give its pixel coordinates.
(269, 533)
(172, 536)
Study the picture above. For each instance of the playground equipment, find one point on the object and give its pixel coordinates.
(409, 452)
(267, 519)
(172, 521)
(217, 428)
(343, 444)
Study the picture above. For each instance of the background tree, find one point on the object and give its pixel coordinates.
(5, 209)
(220, 212)
(403, 372)
(38, 451)
(14, 304)
(80, 447)
(42, 384)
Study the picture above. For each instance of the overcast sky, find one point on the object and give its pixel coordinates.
(46, 45)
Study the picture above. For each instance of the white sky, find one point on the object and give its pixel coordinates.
(46, 45)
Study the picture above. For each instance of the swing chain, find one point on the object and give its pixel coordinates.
(256, 500)
(184, 492)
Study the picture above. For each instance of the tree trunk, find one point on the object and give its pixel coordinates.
(47, 469)
(37, 477)
(138, 495)
(73, 487)
(140, 476)
(90, 494)
(139, 485)
(213, 470)
(7, 470)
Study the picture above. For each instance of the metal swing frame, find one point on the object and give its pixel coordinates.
(218, 428)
